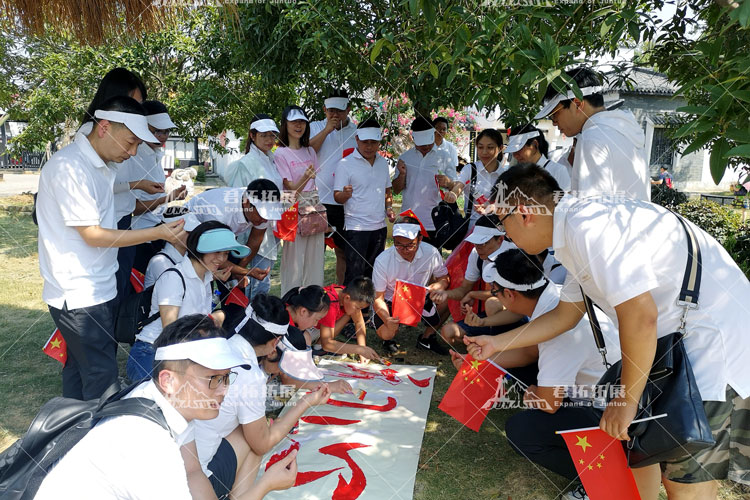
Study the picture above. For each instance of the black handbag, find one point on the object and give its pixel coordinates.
(671, 388)
(450, 226)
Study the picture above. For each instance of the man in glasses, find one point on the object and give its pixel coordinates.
(409, 260)
(133, 457)
(610, 154)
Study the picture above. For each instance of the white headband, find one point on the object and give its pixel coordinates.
(274, 328)
(213, 353)
(423, 137)
(410, 231)
(337, 103)
(264, 125)
(550, 105)
(369, 134)
(490, 274)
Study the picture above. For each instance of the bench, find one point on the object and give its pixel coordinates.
(735, 201)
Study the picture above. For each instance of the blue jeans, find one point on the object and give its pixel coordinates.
(140, 361)
(259, 286)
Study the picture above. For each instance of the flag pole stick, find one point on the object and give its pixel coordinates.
(583, 429)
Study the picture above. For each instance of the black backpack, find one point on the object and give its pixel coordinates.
(133, 313)
(450, 226)
(59, 425)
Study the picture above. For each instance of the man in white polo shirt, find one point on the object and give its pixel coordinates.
(78, 241)
(414, 261)
(610, 155)
(333, 138)
(421, 172)
(441, 143)
(242, 210)
(363, 186)
(136, 458)
(629, 257)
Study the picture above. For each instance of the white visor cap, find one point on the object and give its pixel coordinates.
(550, 105)
(264, 125)
(369, 134)
(423, 137)
(138, 124)
(517, 142)
(482, 234)
(337, 103)
(296, 114)
(160, 121)
(214, 353)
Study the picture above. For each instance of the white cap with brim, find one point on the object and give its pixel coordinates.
(482, 234)
(517, 142)
(214, 354)
(423, 137)
(191, 221)
(410, 231)
(369, 134)
(138, 124)
(221, 240)
(269, 210)
(550, 105)
(264, 125)
(160, 121)
(296, 114)
(337, 103)
(490, 275)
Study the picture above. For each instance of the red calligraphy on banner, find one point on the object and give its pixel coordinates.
(391, 404)
(354, 488)
(278, 456)
(419, 382)
(319, 420)
(310, 476)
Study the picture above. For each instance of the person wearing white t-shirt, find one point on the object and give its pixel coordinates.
(245, 211)
(569, 366)
(244, 406)
(78, 241)
(333, 139)
(422, 172)
(488, 167)
(528, 145)
(363, 186)
(185, 289)
(258, 163)
(170, 255)
(133, 457)
(490, 318)
(441, 143)
(629, 257)
(610, 153)
(414, 261)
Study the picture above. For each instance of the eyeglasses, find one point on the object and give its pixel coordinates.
(494, 292)
(506, 216)
(215, 381)
(408, 246)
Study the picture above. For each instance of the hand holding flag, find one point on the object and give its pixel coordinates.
(408, 302)
(286, 228)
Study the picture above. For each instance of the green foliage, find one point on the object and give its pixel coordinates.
(201, 173)
(719, 221)
(738, 246)
(667, 197)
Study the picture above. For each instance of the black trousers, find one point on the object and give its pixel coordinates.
(125, 259)
(91, 367)
(531, 433)
(361, 249)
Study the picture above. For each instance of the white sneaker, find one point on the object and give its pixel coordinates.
(577, 493)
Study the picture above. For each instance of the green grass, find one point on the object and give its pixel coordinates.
(455, 463)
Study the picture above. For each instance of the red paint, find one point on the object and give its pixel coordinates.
(354, 488)
(318, 420)
(280, 455)
(419, 382)
(391, 404)
(310, 476)
(390, 375)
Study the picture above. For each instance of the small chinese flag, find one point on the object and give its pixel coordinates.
(137, 279)
(437, 184)
(56, 348)
(601, 465)
(475, 384)
(410, 213)
(457, 263)
(286, 228)
(347, 152)
(237, 296)
(330, 243)
(408, 302)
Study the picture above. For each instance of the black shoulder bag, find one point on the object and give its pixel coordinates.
(450, 226)
(671, 388)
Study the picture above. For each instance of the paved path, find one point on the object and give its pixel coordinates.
(13, 184)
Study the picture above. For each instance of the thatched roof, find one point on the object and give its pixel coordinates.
(92, 21)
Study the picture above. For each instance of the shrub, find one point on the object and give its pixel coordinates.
(201, 177)
(738, 246)
(667, 197)
(718, 221)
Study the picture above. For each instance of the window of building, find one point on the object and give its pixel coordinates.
(662, 148)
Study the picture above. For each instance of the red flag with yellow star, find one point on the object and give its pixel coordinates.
(475, 385)
(410, 213)
(601, 464)
(408, 302)
(286, 228)
(56, 348)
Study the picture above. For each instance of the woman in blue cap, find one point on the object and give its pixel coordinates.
(184, 289)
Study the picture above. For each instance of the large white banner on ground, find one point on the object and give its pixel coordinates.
(363, 445)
